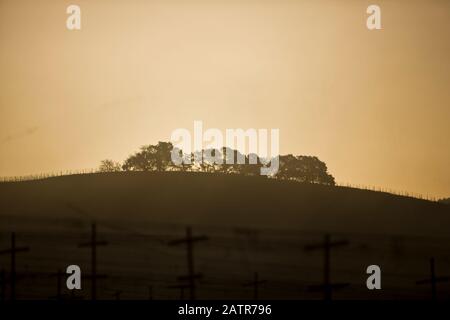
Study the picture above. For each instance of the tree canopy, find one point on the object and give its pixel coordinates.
(158, 158)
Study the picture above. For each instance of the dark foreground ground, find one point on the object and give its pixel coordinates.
(252, 225)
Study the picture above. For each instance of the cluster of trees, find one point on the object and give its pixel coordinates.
(158, 158)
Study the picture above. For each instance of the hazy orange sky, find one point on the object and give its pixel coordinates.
(374, 105)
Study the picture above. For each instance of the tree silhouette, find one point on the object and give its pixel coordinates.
(150, 158)
(108, 165)
(304, 169)
(158, 158)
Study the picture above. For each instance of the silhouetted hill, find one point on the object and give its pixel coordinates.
(224, 200)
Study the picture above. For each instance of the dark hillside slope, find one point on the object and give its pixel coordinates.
(206, 199)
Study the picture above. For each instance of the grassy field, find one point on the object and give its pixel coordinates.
(253, 225)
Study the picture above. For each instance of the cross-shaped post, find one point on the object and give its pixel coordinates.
(255, 284)
(433, 280)
(13, 252)
(326, 246)
(93, 245)
(189, 240)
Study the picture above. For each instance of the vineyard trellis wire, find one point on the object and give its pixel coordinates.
(41, 176)
(389, 190)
